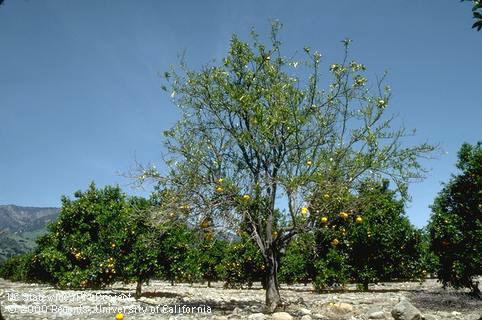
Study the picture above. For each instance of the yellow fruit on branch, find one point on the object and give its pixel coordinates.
(324, 219)
(246, 197)
(304, 211)
(205, 223)
(359, 219)
(343, 215)
(119, 316)
(219, 189)
(220, 180)
(381, 103)
(335, 242)
(326, 196)
(309, 162)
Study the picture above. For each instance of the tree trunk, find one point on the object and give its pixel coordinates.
(209, 283)
(475, 290)
(273, 297)
(138, 288)
(365, 286)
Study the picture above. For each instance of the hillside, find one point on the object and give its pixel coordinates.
(20, 226)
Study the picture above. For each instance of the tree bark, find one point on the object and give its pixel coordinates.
(273, 297)
(1, 317)
(365, 286)
(475, 290)
(138, 288)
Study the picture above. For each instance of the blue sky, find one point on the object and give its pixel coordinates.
(80, 96)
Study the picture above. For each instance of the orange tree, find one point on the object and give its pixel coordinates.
(140, 249)
(242, 264)
(212, 252)
(455, 226)
(178, 260)
(100, 237)
(297, 263)
(373, 241)
(254, 130)
(83, 248)
(382, 245)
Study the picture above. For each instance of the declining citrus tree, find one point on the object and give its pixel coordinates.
(254, 131)
(455, 226)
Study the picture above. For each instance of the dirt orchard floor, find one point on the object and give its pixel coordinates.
(160, 300)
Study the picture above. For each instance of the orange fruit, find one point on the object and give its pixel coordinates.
(119, 316)
(343, 215)
(324, 219)
(359, 219)
(304, 210)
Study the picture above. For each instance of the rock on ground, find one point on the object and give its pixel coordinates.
(404, 310)
(281, 316)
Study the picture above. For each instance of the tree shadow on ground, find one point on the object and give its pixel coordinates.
(219, 307)
(366, 291)
(443, 301)
(161, 294)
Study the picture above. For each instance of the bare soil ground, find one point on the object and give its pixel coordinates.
(184, 301)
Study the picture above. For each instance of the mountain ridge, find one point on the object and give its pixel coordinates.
(20, 226)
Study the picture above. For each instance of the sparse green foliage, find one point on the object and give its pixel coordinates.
(456, 223)
(254, 125)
